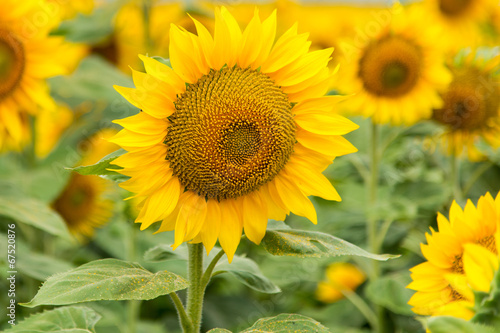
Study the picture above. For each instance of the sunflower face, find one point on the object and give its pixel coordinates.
(453, 8)
(471, 107)
(232, 132)
(12, 63)
(236, 132)
(437, 281)
(390, 67)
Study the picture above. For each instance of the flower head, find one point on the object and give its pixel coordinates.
(438, 281)
(236, 132)
(396, 75)
(340, 277)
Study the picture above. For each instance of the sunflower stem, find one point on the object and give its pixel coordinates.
(361, 305)
(374, 243)
(208, 272)
(196, 289)
(478, 172)
(186, 324)
(455, 178)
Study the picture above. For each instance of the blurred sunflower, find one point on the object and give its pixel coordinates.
(134, 35)
(471, 107)
(28, 55)
(458, 20)
(341, 277)
(436, 289)
(83, 204)
(49, 126)
(69, 9)
(237, 132)
(397, 75)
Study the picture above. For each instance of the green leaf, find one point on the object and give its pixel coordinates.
(304, 244)
(40, 267)
(287, 323)
(106, 279)
(163, 253)
(447, 324)
(71, 319)
(35, 213)
(103, 168)
(390, 292)
(163, 61)
(247, 272)
(219, 330)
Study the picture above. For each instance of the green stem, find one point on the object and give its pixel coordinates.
(196, 290)
(455, 178)
(186, 324)
(133, 306)
(476, 175)
(371, 226)
(208, 272)
(361, 305)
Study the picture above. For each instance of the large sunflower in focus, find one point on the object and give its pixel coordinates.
(436, 283)
(238, 131)
(396, 76)
(471, 109)
(28, 55)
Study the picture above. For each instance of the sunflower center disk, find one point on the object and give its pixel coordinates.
(12, 62)
(470, 102)
(232, 132)
(454, 7)
(76, 201)
(390, 67)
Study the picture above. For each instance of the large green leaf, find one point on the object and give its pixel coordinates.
(35, 213)
(219, 330)
(106, 279)
(247, 272)
(304, 244)
(287, 323)
(70, 319)
(104, 168)
(446, 324)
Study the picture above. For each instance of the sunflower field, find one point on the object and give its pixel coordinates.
(238, 166)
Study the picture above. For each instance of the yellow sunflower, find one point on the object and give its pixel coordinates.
(458, 20)
(83, 204)
(69, 9)
(238, 131)
(341, 277)
(49, 126)
(471, 109)
(437, 291)
(28, 55)
(397, 74)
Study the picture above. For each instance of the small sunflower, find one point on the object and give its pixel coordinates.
(28, 55)
(50, 124)
(83, 204)
(458, 20)
(437, 292)
(341, 277)
(238, 131)
(396, 76)
(471, 109)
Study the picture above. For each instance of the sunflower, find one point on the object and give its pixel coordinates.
(28, 55)
(69, 9)
(84, 204)
(396, 76)
(471, 107)
(238, 131)
(49, 126)
(438, 293)
(341, 277)
(458, 20)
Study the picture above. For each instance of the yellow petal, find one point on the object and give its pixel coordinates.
(231, 227)
(294, 199)
(254, 217)
(211, 227)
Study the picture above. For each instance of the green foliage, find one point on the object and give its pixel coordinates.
(446, 324)
(390, 292)
(104, 168)
(287, 323)
(305, 244)
(106, 279)
(71, 319)
(247, 272)
(487, 305)
(219, 330)
(40, 266)
(34, 213)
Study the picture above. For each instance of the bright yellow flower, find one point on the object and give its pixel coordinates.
(49, 126)
(397, 74)
(84, 204)
(341, 277)
(458, 20)
(28, 55)
(68, 9)
(238, 131)
(438, 280)
(471, 109)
